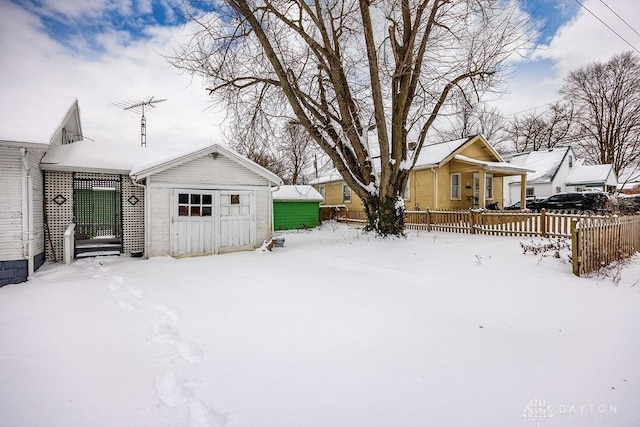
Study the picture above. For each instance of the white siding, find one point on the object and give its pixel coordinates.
(207, 170)
(263, 215)
(160, 212)
(210, 174)
(38, 200)
(11, 206)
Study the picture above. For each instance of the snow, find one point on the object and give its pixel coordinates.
(297, 193)
(21, 109)
(337, 328)
(588, 174)
(545, 163)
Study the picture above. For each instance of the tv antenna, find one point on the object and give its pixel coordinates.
(138, 107)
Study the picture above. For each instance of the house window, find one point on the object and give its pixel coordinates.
(455, 186)
(346, 193)
(558, 189)
(322, 191)
(407, 190)
(193, 204)
(531, 192)
(570, 161)
(488, 188)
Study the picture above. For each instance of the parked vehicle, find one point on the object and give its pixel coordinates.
(629, 203)
(532, 203)
(594, 201)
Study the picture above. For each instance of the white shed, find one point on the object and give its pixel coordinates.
(209, 201)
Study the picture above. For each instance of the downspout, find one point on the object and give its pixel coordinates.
(27, 206)
(435, 188)
(146, 214)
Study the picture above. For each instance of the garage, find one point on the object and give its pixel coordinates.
(210, 201)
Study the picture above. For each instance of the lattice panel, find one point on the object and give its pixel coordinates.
(132, 216)
(59, 213)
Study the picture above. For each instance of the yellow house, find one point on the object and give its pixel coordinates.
(461, 174)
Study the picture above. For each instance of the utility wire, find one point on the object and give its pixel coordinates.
(606, 25)
(620, 17)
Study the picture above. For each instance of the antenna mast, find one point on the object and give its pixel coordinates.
(138, 106)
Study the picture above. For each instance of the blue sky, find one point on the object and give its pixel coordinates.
(105, 51)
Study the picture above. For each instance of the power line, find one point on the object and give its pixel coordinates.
(606, 25)
(620, 17)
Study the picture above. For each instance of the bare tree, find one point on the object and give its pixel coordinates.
(471, 117)
(606, 99)
(361, 77)
(542, 130)
(298, 151)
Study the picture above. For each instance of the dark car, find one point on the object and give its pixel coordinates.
(593, 201)
(532, 203)
(629, 203)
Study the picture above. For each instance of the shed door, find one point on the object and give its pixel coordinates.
(237, 219)
(193, 222)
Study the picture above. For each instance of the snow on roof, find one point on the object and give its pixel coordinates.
(433, 154)
(90, 156)
(494, 166)
(33, 117)
(430, 155)
(582, 174)
(297, 193)
(545, 163)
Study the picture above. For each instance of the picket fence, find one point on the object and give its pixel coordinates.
(598, 243)
(597, 240)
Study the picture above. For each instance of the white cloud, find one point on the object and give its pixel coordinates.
(579, 42)
(126, 70)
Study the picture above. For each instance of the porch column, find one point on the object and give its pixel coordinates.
(481, 196)
(523, 191)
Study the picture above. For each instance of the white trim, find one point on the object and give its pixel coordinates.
(206, 186)
(459, 175)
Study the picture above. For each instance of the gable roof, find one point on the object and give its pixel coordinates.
(438, 154)
(144, 170)
(138, 162)
(297, 193)
(590, 174)
(29, 117)
(546, 163)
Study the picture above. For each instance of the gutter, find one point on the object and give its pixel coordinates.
(27, 206)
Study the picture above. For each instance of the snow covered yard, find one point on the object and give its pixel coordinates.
(334, 329)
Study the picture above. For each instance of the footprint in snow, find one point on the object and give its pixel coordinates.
(167, 334)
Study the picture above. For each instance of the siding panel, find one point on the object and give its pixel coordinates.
(207, 170)
(11, 206)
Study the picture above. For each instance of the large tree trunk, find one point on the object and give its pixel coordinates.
(385, 216)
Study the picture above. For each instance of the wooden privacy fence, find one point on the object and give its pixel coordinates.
(497, 223)
(597, 243)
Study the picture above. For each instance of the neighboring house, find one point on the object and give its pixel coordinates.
(592, 177)
(30, 123)
(132, 200)
(296, 206)
(557, 170)
(459, 174)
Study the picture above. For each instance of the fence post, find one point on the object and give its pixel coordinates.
(472, 228)
(428, 221)
(543, 222)
(575, 247)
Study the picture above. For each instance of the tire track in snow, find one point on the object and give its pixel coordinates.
(170, 391)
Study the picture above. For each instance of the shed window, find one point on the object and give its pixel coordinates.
(194, 204)
(346, 193)
(455, 186)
